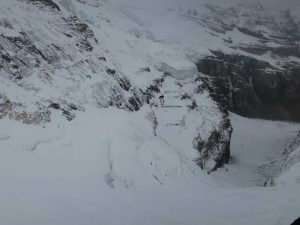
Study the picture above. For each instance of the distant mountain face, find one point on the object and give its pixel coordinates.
(253, 88)
(251, 16)
(260, 78)
(252, 28)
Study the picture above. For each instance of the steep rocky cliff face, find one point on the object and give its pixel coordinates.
(215, 152)
(253, 88)
(257, 75)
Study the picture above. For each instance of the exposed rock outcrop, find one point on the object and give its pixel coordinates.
(253, 88)
(17, 111)
(48, 3)
(215, 152)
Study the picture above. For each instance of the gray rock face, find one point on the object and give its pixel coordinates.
(48, 3)
(253, 88)
(216, 149)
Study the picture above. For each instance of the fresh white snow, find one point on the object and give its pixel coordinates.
(109, 166)
(257, 150)
(113, 170)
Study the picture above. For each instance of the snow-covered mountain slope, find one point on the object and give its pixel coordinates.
(85, 138)
(67, 61)
(77, 173)
(257, 151)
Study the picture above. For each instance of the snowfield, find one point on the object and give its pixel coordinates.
(113, 170)
(90, 159)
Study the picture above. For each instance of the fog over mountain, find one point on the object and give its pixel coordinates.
(273, 4)
(278, 4)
